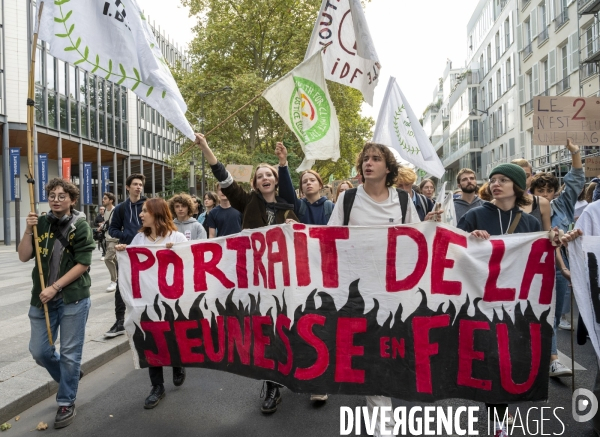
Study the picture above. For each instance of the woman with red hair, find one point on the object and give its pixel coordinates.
(158, 228)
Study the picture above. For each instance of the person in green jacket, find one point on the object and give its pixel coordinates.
(66, 247)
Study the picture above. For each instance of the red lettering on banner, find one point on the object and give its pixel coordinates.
(391, 283)
(257, 254)
(276, 236)
(260, 341)
(166, 258)
(209, 348)
(284, 322)
(138, 266)
(234, 339)
(398, 347)
(240, 245)
(305, 325)
(301, 252)
(505, 361)
(535, 266)
(492, 293)
(186, 344)
(162, 357)
(424, 349)
(467, 354)
(345, 349)
(202, 267)
(384, 345)
(329, 256)
(443, 238)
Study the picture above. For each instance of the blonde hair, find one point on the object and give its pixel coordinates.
(406, 175)
(270, 167)
(523, 163)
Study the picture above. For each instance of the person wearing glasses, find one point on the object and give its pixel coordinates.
(66, 246)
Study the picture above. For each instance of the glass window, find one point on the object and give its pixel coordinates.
(153, 116)
(117, 100)
(93, 124)
(52, 110)
(101, 100)
(63, 114)
(109, 98)
(124, 103)
(142, 110)
(101, 128)
(74, 124)
(39, 99)
(93, 92)
(50, 71)
(109, 130)
(124, 135)
(117, 133)
(39, 66)
(72, 85)
(142, 138)
(62, 85)
(82, 84)
(84, 121)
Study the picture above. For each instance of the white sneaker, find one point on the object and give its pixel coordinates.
(564, 324)
(112, 287)
(319, 398)
(101, 258)
(558, 370)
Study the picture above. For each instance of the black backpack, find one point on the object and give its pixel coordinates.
(349, 196)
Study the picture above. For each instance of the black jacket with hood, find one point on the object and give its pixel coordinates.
(126, 222)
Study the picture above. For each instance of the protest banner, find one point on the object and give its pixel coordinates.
(592, 166)
(240, 173)
(557, 118)
(427, 312)
(584, 254)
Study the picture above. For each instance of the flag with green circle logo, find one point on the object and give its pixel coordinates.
(301, 98)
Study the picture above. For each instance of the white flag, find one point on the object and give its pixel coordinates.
(301, 98)
(350, 59)
(114, 40)
(447, 204)
(398, 127)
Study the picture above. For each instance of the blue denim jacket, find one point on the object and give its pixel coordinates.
(563, 207)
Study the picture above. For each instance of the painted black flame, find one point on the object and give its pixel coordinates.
(383, 376)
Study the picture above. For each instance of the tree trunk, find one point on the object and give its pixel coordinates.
(254, 131)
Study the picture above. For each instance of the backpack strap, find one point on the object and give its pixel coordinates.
(403, 197)
(349, 196)
(514, 224)
(328, 209)
(302, 209)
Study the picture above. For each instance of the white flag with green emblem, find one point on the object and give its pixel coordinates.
(301, 98)
(113, 39)
(398, 127)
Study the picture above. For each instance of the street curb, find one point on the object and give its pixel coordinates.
(96, 353)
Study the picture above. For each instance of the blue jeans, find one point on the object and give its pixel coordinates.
(64, 367)
(562, 293)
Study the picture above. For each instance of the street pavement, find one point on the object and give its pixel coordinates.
(210, 403)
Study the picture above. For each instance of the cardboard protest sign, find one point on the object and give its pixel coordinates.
(426, 313)
(240, 173)
(592, 166)
(557, 118)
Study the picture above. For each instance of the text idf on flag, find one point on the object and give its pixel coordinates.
(302, 99)
(114, 40)
(349, 57)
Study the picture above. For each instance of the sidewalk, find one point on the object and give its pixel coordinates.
(22, 382)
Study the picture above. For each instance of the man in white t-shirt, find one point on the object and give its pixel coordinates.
(377, 203)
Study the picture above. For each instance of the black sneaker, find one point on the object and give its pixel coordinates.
(272, 398)
(178, 376)
(156, 394)
(116, 330)
(64, 416)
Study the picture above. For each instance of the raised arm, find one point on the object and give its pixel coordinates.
(286, 187)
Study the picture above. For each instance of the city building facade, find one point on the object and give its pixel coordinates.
(78, 116)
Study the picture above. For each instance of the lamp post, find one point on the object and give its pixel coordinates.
(202, 95)
(18, 210)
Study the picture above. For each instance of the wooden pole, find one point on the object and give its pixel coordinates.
(31, 179)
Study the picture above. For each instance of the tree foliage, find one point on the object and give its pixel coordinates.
(248, 45)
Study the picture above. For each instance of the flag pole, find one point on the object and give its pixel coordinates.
(30, 178)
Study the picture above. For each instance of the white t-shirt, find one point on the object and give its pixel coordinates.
(367, 212)
(174, 237)
(589, 220)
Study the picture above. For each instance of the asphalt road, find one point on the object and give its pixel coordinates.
(213, 403)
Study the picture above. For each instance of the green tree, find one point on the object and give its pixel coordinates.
(248, 45)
